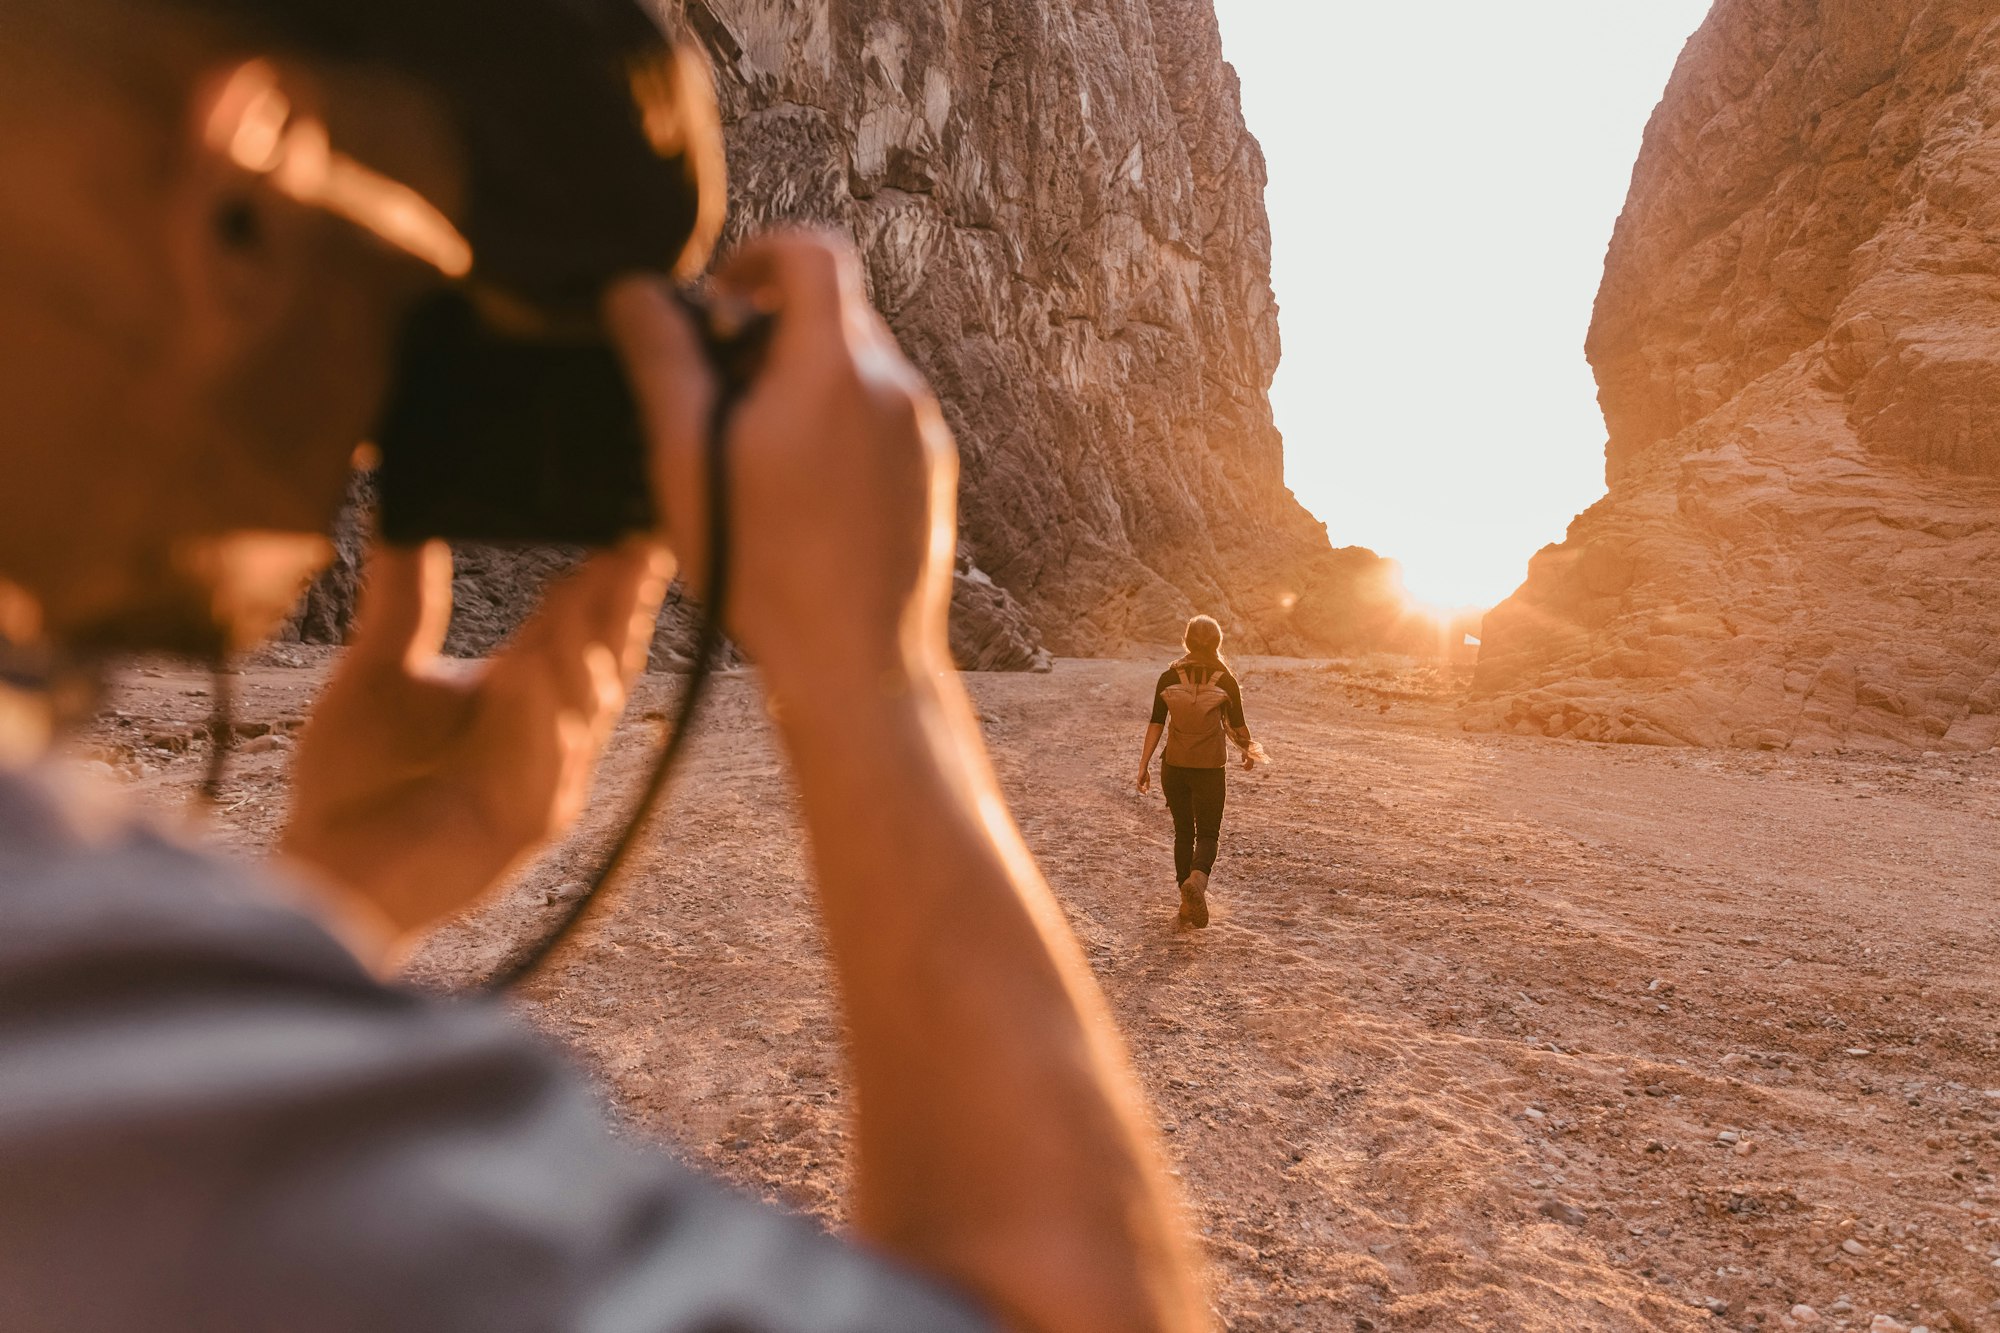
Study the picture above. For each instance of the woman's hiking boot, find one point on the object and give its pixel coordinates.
(1194, 899)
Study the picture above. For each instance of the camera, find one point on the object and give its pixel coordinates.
(495, 436)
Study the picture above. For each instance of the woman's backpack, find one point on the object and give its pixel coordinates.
(1195, 707)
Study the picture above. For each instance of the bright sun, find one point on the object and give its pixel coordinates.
(1459, 572)
(1439, 216)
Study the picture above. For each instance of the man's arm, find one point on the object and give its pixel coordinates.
(1001, 1140)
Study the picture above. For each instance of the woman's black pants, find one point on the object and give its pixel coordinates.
(1195, 796)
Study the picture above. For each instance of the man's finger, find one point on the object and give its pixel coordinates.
(670, 376)
(811, 280)
(661, 349)
(405, 604)
(606, 607)
(624, 605)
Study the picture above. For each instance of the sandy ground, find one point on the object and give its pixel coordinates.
(1488, 1032)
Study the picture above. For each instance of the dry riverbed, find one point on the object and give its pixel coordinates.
(1488, 1032)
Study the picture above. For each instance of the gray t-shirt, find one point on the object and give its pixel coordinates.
(212, 1119)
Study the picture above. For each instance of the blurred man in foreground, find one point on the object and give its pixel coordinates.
(212, 1115)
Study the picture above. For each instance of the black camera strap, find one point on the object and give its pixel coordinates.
(221, 730)
(708, 649)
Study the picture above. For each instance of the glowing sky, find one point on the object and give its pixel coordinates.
(1444, 179)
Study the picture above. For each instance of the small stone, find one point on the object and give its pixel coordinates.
(1853, 1246)
(264, 744)
(1656, 1146)
(1882, 1323)
(1746, 1147)
(567, 892)
(1859, 1051)
(1729, 1136)
(1715, 1305)
(1535, 1113)
(1656, 1089)
(1567, 1214)
(1805, 1314)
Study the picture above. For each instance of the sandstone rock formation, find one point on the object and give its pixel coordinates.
(1797, 347)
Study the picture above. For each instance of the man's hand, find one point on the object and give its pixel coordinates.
(420, 782)
(1145, 779)
(843, 475)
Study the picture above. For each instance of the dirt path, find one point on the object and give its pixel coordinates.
(1487, 1032)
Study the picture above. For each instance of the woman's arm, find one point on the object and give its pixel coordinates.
(1237, 726)
(1153, 733)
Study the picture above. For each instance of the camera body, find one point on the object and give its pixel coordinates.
(491, 437)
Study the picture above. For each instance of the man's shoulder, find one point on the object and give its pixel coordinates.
(211, 1116)
(87, 888)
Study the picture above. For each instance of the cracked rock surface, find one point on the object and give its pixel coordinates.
(1061, 214)
(1797, 348)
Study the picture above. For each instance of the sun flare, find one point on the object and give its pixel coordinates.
(1453, 584)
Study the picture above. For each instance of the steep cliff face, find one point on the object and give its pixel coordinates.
(1062, 217)
(1797, 348)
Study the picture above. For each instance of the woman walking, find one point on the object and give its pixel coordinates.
(1196, 704)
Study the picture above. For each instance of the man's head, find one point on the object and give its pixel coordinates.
(190, 351)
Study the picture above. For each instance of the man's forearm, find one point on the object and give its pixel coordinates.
(1000, 1137)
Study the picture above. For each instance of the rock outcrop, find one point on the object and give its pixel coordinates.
(1797, 347)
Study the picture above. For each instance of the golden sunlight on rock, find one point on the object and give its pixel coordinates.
(1798, 347)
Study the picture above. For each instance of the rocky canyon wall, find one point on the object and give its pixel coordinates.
(1797, 347)
(1062, 217)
